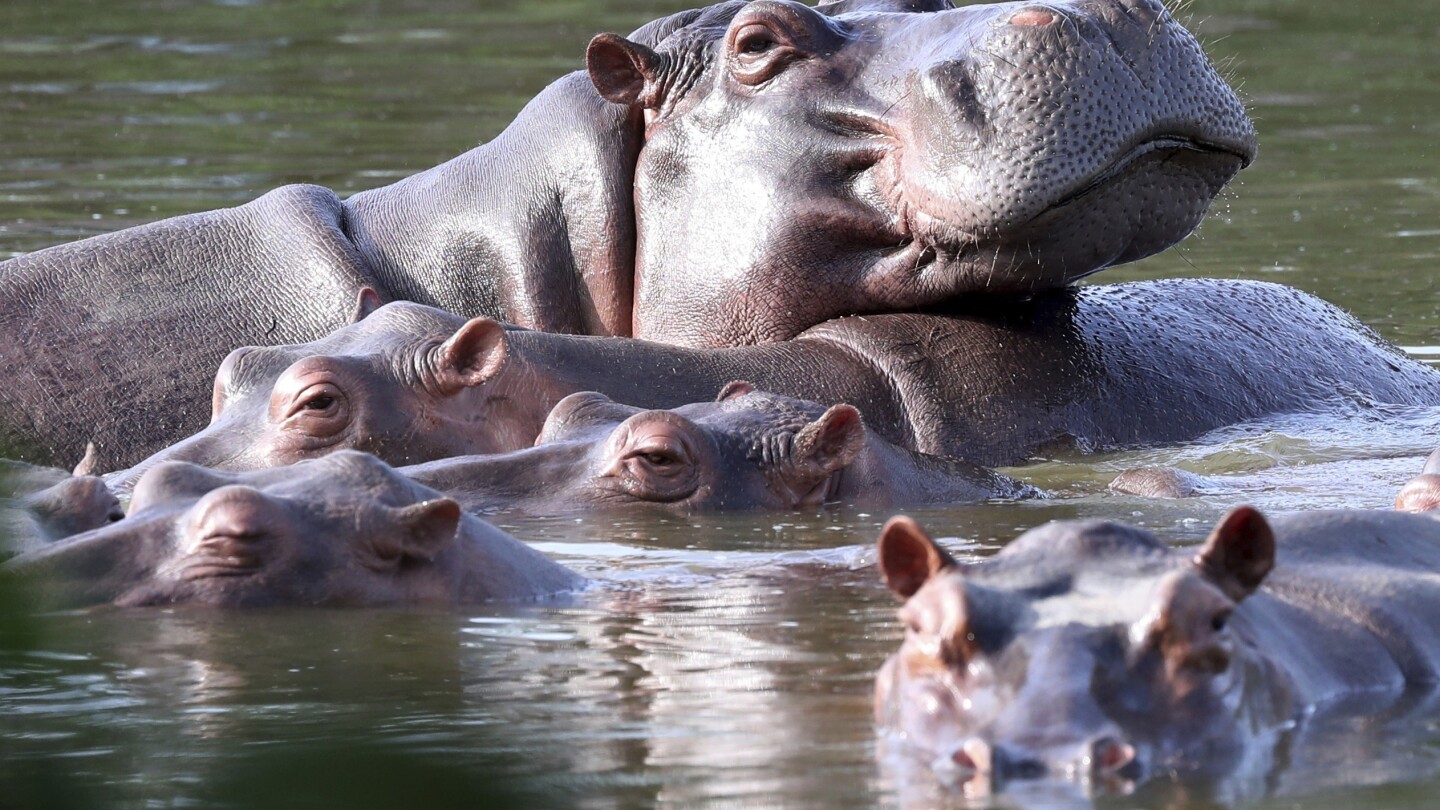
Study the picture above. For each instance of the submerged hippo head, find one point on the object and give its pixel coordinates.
(1084, 650)
(341, 530)
(747, 450)
(403, 382)
(802, 163)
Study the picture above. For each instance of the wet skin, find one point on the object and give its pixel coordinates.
(345, 530)
(660, 194)
(747, 450)
(1422, 493)
(1089, 651)
(1073, 370)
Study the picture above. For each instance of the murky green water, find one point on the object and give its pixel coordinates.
(723, 660)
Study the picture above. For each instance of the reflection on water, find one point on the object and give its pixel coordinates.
(719, 659)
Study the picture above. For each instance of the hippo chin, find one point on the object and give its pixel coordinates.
(1090, 651)
(747, 450)
(345, 530)
(664, 193)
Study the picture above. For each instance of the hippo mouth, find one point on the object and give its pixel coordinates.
(1162, 146)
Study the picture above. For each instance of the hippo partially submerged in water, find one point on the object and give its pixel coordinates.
(1090, 651)
(412, 383)
(344, 530)
(747, 450)
(733, 174)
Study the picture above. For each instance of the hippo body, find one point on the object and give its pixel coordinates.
(1089, 650)
(987, 149)
(747, 450)
(343, 530)
(1070, 369)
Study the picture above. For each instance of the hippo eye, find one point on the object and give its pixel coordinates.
(1219, 621)
(320, 403)
(760, 42)
(658, 459)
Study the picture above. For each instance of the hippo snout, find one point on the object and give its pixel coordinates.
(1104, 758)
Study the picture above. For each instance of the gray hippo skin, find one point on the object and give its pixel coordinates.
(1091, 651)
(1074, 368)
(747, 450)
(756, 170)
(345, 530)
(1422, 493)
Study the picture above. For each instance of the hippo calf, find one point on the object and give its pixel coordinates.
(42, 504)
(344, 530)
(1089, 650)
(747, 450)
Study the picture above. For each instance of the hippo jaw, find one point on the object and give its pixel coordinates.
(861, 161)
(1104, 664)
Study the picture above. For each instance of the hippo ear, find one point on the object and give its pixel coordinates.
(908, 557)
(473, 355)
(88, 462)
(1432, 464)
(831, 442)
(732, 390)
(366, 302)
(624, 72)
(1239, 552)
(420, 531)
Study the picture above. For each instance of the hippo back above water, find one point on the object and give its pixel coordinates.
(733, 174)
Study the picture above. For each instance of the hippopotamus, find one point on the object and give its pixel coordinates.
(728, 175)
(1089, 650)
(1072, 369)
(1163, 482)
(746, 450)
(343, 530)
(1422, 493)
(47, 504)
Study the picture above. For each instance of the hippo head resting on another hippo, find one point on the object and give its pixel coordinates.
(343, 530)
(747, 450)
(874, 155)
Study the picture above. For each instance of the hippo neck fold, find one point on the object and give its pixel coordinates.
(539, 222)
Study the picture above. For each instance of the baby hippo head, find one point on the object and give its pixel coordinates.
(341, 530)
(1422, 493)
(746, 450)
(405, 382)
(1084, 651)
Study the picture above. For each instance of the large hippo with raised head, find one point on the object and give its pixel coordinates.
(1072, 369)
(730, 175)
(1090, 651)
(747, 449)
(340, 531)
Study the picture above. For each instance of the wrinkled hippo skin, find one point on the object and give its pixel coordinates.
(747, 450)
(42, 504)
(985, 149)
(1075, 369)
(344, 530)
(1089, 650)
(1422, 493)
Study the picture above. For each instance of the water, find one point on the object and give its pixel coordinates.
(722, 659)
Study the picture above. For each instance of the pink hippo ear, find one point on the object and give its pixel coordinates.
(419, 531)
(1239, 552)
(831, 442)
(624, 72)
(473, 355)
(907, 556)
(366, 302)
(734, 389)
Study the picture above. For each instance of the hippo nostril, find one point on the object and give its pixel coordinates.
(1034, 16)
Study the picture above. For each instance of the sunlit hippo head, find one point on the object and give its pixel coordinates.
(746, 450)
(343, 530)
(1422, 493)
(405, 382)
(1085, 651)
(874, 155)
